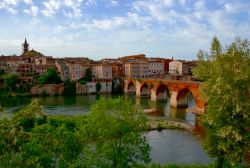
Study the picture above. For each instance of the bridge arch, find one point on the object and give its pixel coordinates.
(145, 90)
(183, 97)
(162, 93)
(131, 88)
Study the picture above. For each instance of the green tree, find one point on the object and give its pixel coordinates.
(50, 77)
(56, 143)
(10, 81)
(32, 139)
(15, 132)
(69, 87)
(2, 72)
(226, 89)
(98, 87)
(88, 75)
(114, 129)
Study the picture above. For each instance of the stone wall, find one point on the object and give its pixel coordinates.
(90, 87)
(49, 89)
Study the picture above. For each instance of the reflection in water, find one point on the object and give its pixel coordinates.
(76, 105)
(171, 146)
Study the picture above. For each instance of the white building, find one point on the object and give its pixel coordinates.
(175, 67)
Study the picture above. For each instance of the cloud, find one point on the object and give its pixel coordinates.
(11, 2)
(90, 2)
(111, 3)
(199, 5)
(182, 2)
(70, 8)
(32, 11)
(28, 2)
(75, 6)
(184, 26)
(12, 10)
(107, 24)
(9, 5)
(51, 7)
(157, 9)
(59, 29)
(129, 20)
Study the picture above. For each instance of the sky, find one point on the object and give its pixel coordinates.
(113, 28)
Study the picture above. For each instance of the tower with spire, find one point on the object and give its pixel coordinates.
(25, 46)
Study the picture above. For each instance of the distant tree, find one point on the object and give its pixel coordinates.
(88, 75)
(116, 88)
(50, 77)
(33, 53)
(226, 89)
(98, 87)
(114, 129)
(69, 88)
(2, 71)
(10, 81)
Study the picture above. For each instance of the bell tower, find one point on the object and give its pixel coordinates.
(25, 46)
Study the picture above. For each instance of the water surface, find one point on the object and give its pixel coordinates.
(168, 146)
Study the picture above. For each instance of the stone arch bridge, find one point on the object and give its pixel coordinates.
(161, 89)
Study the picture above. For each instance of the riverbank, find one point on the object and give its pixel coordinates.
(160, 124)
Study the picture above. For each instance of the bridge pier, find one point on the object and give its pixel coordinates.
(178, 91)
(153, 95)
(138, 89)
(125, 89)
(174, 102)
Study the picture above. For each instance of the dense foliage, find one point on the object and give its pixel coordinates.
(109, 137)
(69, 88)
(226, 89)
(98, 87)
(115, 127)
(116, 88)
(2, 72)
(87, 77)
(50, 77)
(10, 81)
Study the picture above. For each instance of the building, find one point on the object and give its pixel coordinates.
(77, 70)
(3, 63)
(44, 60)
(175, 67)
(181, 67)
(156, 66)
(166, 64)
(117, 70)
(137, 69)
(42, 69)
(62, 69)
(25, 69)
(190, 66)
(25, 46)
(102, 72)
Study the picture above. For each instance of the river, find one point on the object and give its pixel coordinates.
(168, 146)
